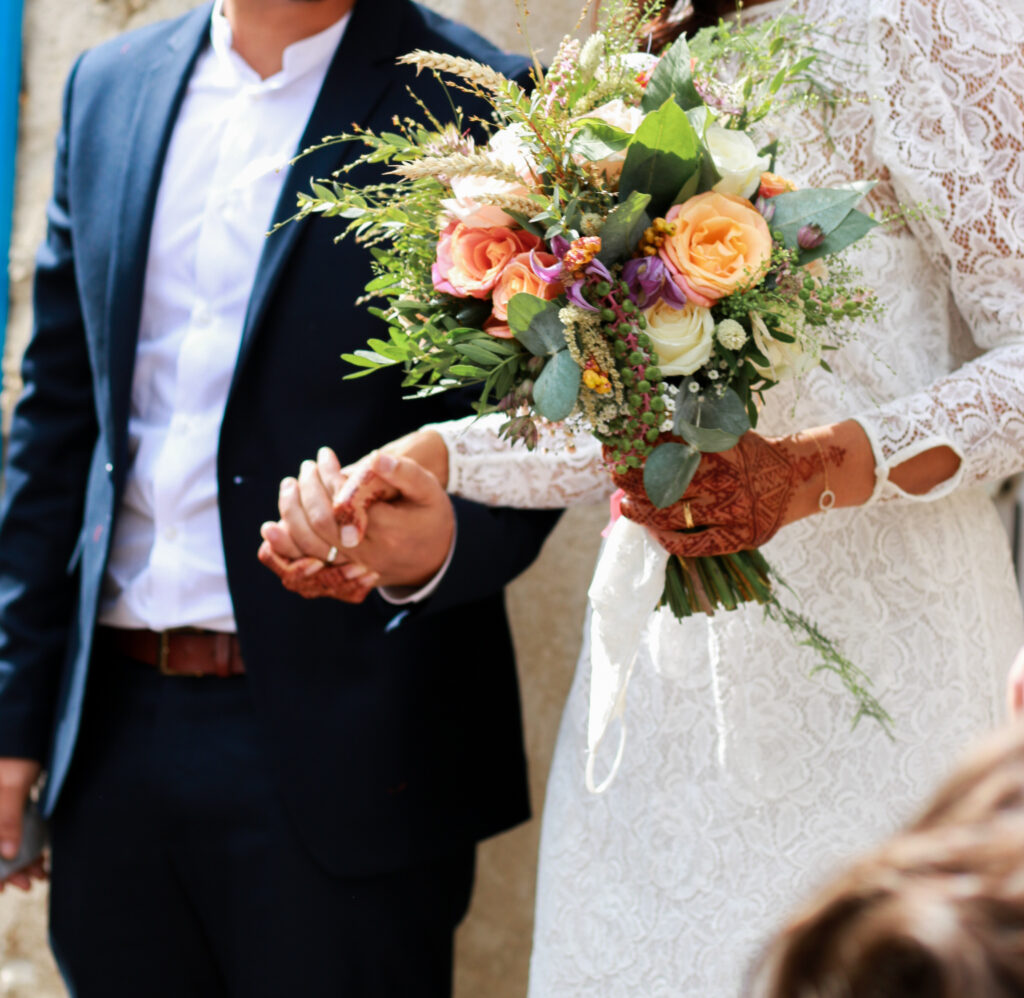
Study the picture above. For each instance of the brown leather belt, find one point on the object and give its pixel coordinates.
(181, 652)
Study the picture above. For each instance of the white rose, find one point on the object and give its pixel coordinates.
(620, 115)
(470, 203)
(785, 360)
(682, 337)
(735, 157)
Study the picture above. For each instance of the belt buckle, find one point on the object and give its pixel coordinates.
(163, 648)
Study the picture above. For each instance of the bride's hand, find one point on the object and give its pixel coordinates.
(738, 499)
(325, 512)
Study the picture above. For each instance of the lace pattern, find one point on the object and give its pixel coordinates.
(742, 784)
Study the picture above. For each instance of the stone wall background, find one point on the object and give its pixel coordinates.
(546, 604)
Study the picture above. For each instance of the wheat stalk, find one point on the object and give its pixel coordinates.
(473, 72)
(477, 164)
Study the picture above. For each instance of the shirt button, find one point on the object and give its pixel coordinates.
(170, 533)
(108, 468)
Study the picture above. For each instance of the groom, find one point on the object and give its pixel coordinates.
(250, 794)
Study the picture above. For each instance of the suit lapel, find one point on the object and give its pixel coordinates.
(148, 135)
(356, 81)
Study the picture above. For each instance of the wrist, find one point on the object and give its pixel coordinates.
(834, 467)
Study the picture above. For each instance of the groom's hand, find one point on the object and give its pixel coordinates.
(17, 777)
(398, 523)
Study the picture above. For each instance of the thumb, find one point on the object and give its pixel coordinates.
(411, 480)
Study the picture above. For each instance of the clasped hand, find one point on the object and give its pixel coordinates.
(385, 520)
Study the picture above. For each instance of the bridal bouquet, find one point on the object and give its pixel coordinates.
(619, 253)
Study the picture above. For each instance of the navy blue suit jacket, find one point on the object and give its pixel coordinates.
(392, 745)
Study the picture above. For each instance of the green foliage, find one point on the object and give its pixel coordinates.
(662, 156)
(710, 421)
(672, 80)
(558, 387)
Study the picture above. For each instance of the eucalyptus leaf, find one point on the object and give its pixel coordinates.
(557, 387)
(662, 155)
(535, 323)
(709, 423)
(850, 229)
(623, 228)
(825, 207)
(668, 471)
(672, 79)
(708, 410)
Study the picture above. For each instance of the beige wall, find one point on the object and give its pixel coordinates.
(546, 603)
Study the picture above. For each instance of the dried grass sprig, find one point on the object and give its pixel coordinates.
(477, 164)
(473, 72)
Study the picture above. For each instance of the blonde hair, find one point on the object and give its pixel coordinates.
(936, 912)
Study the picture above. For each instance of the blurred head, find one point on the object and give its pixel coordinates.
(937, 912)
(678, 17)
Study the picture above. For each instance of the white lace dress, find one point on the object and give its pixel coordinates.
(742, 784)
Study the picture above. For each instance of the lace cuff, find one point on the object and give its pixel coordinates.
(564, 469)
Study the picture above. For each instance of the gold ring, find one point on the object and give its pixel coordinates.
(331, 555)
(687, 516)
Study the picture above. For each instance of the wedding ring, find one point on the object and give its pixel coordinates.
(687, 516)
(331, 555)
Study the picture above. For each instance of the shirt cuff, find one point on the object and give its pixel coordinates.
(403, 595)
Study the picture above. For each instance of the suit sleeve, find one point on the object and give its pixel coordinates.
(52, 436)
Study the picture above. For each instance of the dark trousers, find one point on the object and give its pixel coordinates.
(176, 874)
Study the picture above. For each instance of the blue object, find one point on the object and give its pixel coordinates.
(10, 86)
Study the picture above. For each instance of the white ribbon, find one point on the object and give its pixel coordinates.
(627, 584)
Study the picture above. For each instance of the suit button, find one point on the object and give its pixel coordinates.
(109, 468)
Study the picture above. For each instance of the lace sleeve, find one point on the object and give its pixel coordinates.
(946, 79)
(562, 470)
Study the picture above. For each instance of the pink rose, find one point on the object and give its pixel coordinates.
(470, 260)
(519, 277)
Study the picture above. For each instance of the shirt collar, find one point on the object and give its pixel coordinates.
(299, 58)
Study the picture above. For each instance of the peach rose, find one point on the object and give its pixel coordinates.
(519, 277)
(720, 243)
(470, 260)
(772, 184)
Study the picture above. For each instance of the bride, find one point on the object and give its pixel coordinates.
(742, 783)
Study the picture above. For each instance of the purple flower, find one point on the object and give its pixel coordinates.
(649, 282)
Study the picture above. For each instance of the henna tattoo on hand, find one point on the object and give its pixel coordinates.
(737, 500)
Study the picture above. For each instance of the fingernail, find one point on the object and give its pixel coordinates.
(387, 463)
(371, 580)
(312, 568)
(287, 483)
(353, 571)
(323, 454)
(349, 536)
(8, 849)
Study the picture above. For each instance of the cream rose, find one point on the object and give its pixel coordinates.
(682, 337)
(735, 157)
(785, 360)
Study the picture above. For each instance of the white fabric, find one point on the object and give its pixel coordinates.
(221, 181)
(741, 784)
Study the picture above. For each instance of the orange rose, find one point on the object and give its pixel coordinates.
(772, 184)
(470, 260)
(720, 243)
(519, 277)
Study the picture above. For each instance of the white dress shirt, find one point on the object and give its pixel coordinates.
(233, 137)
